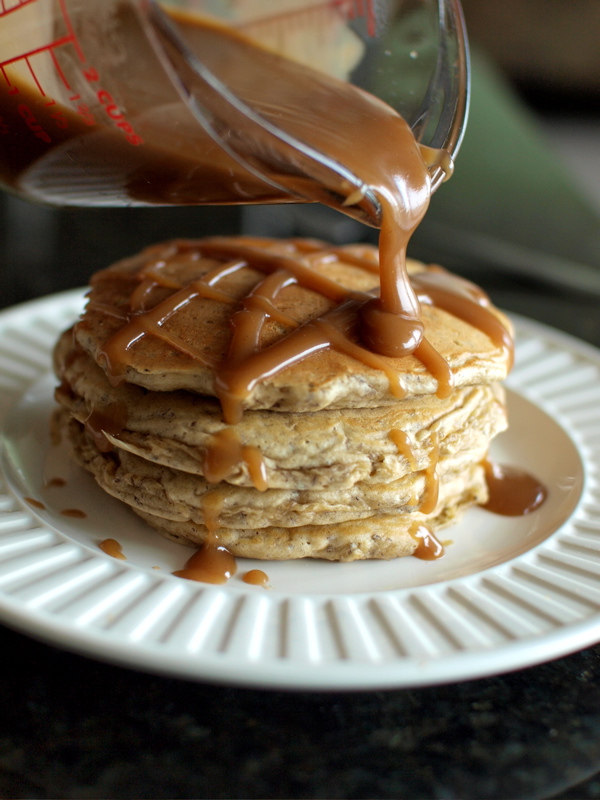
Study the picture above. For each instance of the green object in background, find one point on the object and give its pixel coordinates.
(511, 204)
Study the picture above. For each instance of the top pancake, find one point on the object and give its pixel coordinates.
(149, 324)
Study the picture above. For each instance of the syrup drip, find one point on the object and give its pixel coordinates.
(512, 492)
(404, 446)
(35, 503)
(432, 483)
(212, 563)
(112, 548)
(75, 513)
(212, 503)
(464, 300)
(224, 455)
(256, 577)
(111, 420)
(429, 548)
(438, 366)
(55, 483)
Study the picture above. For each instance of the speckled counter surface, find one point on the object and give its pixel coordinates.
(72, 727)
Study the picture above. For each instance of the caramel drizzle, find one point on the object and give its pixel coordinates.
(512, 492)
(339, 328)
(55, 483)
(141, 322)
(111, 420)
(437, 366)
(404, 446)
(256, 577)
(75, 513)
(151, 277)
(248, 322)
(428, 548)
(212, 563)
(236, 380)
(153, 322)
(35, 503)
(224, 455)
(432, 484)
(464, 300)
(112, 548)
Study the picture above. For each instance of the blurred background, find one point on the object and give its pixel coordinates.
(523, 205)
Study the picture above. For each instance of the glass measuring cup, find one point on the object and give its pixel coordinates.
(115, 102)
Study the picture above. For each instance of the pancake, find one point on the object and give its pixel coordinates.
(162, 320)
(221, 389)
(367, 522)
(331, 449)
(174, 494)
(377, 537)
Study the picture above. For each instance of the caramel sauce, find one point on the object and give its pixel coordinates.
(464, 300)
(438, 366)
(512, 492)
(429, 548)
(256, 577)
(212, 503)
(432, 483)
(55, 483)
(35, 503)
(111, 419)
(316, 109)
(413, 501)
(225, 454)
(404, 446)
(247, 363)
(112, 548)
(75, 513)
(212, 563)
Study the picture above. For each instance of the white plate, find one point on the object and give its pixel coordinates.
(508, 593)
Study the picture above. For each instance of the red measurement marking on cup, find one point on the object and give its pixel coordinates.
(33, 58)
(6, 8)
(68, 38)
(72, 36)
(348, 9)
(352, 9)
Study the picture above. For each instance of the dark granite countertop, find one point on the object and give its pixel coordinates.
(72, 727)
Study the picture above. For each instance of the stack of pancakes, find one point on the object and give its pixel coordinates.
(329, 454)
